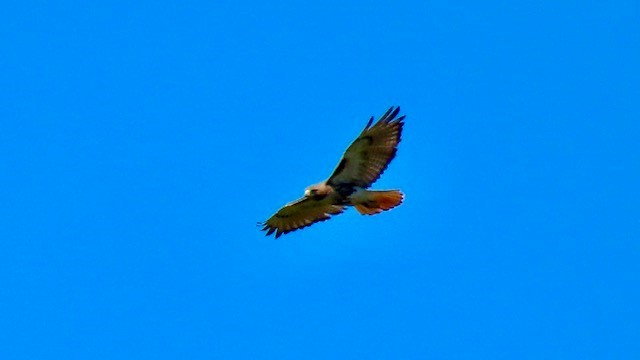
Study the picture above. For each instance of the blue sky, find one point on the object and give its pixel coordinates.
(140, 143)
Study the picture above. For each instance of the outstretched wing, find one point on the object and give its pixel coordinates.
(299, 214)
(370, 154)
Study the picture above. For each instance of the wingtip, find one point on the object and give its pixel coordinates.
(387, 117)
(386, 114)
(393, 114)
(369, 123)
(390, 114)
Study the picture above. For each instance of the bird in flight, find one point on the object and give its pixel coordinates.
(361, 165)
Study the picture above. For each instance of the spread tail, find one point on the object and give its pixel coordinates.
(373, 202)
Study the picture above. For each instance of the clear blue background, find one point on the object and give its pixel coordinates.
(141, 142)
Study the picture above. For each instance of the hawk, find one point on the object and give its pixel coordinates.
(361, 165)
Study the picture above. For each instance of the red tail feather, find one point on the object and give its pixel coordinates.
(374, 202)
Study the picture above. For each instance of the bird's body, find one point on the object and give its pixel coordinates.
(361, 165)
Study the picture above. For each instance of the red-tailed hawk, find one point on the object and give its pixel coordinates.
(361, 165)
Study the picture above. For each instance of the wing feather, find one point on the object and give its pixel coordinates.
(300, 214)
(368, 156)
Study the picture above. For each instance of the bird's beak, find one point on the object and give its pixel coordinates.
(307, 193)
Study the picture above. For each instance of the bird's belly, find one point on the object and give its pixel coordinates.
(357, 197)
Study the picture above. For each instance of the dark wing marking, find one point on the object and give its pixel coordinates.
(369, 155)
(300, 214)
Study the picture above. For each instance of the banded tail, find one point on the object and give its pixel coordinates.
(371, 202)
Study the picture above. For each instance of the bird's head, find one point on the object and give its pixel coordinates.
(316, 190)
(310, 191)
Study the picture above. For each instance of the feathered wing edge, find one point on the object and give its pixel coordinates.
(279, 232)
(388, 116)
